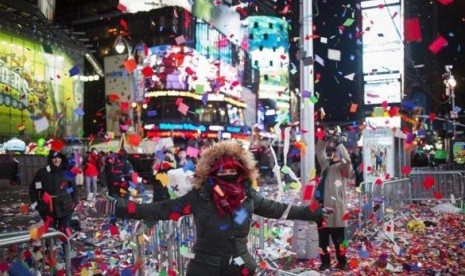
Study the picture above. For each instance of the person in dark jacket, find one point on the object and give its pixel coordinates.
(120, 172)
(222, 203)
(54, 194)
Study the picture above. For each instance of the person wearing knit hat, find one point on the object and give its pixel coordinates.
(54, 194)
(222, 202)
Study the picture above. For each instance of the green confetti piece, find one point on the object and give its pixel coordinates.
(349, 22)
(294, 185)
(313, 99)
(162, 273)
(184, 250)
(199, 88)
(285, 169)
(345, 243)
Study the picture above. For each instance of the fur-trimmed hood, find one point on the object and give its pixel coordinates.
(217, 151)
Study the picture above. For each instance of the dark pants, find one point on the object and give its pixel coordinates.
(208, 265)
(60, 224)
(337, 236)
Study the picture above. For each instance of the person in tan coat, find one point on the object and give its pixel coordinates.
(331, 192)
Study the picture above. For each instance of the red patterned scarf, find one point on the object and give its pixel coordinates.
(234, 194)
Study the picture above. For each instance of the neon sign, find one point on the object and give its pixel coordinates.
(182, 126)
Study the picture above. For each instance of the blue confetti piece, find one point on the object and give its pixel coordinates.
(126, 272)
(159, 154)
(189, 166)
(240, 216)
(19, 269)
(224, 227)
(152, 113)
(211, 182)
(79, 112)
(69, 190)
(363, 254)
(205, 98)
(69, 175)
(74, 71)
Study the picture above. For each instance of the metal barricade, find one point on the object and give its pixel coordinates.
(443, 185)
(185, 239)
(24, 237)
(139, 246)
(379, 202)
(161, 246)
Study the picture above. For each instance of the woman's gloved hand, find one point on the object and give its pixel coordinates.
(106, 206)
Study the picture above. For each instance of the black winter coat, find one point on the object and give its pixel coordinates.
(63, 192)
(219, 239)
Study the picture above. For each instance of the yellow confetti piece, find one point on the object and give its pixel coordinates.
(312, 173)
(140, 239)
(358, 190)
(163, 178)
(389, 210)
(84, 271)
(34, 232)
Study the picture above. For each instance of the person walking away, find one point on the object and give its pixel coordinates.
(91, 173)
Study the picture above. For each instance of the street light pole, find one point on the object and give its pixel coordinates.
(307, 91)
(303, 243)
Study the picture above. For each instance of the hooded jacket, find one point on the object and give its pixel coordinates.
(218, 239)
(54, 193)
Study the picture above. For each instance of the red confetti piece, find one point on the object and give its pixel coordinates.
(412, 30)
(406, 170)
(114, 230)
(428, 183)
(57, 145)
(131, 207)
(346, 216)
(437, 195)
(174, 216)
(314, 205)
(186, 210)
(445, 2)
(123, 24)
(308, 193)
(320, 135)
(437, 45)
(387, 176)
(432, 116)
(379, 181)
(372, 216)
(122, 8)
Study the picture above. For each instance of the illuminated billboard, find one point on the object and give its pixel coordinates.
(175, 68)
(383, 51)
(37, 94)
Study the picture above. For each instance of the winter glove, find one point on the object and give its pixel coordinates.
(106, 206)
